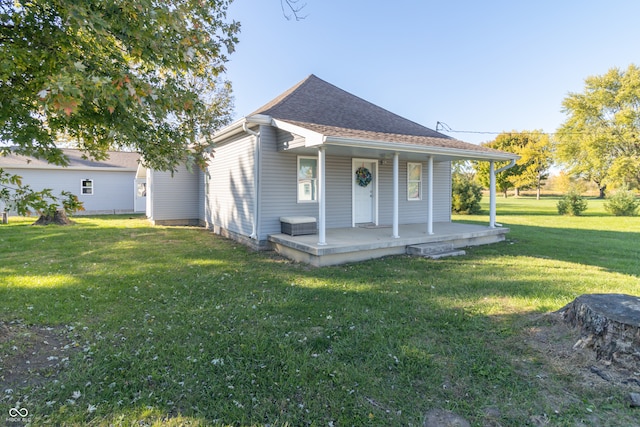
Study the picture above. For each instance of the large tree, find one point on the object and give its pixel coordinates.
(142, 74)
(534, 149)
(600, 139)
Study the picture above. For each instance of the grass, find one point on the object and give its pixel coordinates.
(176, 326)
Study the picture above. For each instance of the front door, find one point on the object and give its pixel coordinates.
(364, 191)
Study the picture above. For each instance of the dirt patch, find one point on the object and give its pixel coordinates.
(32, 355)
(558, 344)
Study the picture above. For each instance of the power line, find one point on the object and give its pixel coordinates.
(443, 127)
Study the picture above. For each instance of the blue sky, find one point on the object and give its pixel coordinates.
(482, 66)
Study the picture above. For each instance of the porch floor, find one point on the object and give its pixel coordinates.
(362, 243)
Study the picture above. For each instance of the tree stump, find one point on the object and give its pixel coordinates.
(610, 325)
(58, 218)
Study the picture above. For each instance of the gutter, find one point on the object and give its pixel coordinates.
(504, 168)
(412, 148)
(256, 180)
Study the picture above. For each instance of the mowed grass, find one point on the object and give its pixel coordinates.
(177, 326)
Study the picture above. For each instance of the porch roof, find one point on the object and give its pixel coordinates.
(325, 115)
(354, 142)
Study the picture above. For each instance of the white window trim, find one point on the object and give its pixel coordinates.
(82, 187)
(409, 198)
(298, 178)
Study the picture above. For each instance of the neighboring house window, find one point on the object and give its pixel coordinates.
(414, 181)
(142, 189)
(86, 187)
(307, 179)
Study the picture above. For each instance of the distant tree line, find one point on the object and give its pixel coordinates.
(598, 143)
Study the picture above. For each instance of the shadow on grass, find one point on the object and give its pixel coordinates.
(180, 322)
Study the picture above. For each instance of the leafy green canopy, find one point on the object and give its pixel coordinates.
(600, 139)
(110, 74)
(534, 149)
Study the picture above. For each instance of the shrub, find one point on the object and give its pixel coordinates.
(622, 203)
(466, 195)
(572, 204)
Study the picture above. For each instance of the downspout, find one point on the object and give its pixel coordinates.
(492, 192)
(256, 181)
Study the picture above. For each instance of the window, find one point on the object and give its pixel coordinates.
(307, 179)
(142, 189)
(414, 181)
(86, 187)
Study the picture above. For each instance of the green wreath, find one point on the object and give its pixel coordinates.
(363, 176)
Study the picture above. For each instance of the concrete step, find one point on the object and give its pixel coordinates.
(434, 250)
(438, 255)
(429, 248)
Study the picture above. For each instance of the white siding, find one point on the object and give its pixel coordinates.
(113, 191)
(415, 212)
(278, 184)
(229, 186)
(174, 198)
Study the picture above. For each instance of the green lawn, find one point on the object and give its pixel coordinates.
(114, 322)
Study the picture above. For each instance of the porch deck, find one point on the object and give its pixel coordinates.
(363, 243)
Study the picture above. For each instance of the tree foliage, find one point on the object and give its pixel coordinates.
(622, 203)
(14, 196)
(600, 139)
(572, 204)
(466, 194)
(141, 74)
(534, 149)
(110, 74)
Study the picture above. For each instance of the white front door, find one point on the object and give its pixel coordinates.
(364, 196)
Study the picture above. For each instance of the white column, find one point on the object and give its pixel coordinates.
(322, 238)
(430, 196)
(492, 195)
(396, 168)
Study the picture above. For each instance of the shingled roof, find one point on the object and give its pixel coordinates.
(321, 107)
(117, 160)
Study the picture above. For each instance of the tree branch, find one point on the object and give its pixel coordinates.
(294, 8)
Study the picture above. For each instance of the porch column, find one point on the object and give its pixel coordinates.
(492, 195)
(322, 239)
(430, 196)
(396, 168)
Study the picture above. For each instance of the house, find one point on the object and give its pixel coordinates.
(356, 180)
(104, 187)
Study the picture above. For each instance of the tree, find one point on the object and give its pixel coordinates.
(600, 139)
(534, 149)
(536, 157)
(114, 74)
(504, 142)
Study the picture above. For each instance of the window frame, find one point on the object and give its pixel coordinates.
(83, 187)
(313, 180)
(414, 181)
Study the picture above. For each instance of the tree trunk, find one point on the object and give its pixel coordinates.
(58, 218)
(610, 325)
(602, 190)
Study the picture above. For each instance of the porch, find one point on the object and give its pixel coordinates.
(345, 245)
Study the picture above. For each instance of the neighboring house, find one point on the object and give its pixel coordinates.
(104, 187)
(363, 181)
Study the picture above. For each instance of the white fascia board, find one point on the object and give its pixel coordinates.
(237, 126)
(412, 148)
(311, 138)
